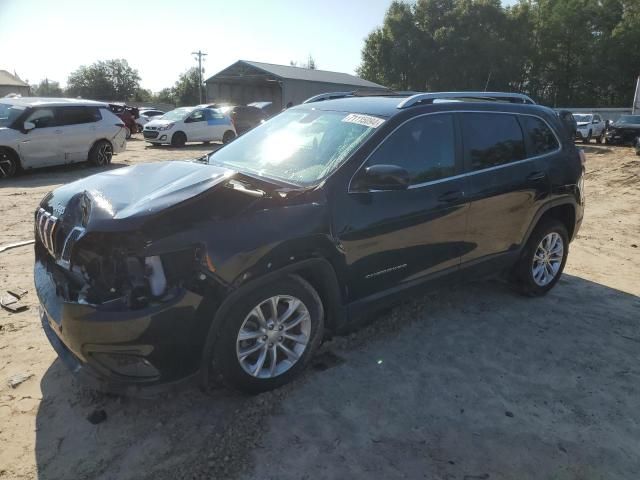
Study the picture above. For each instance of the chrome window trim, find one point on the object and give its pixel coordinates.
(465, 174)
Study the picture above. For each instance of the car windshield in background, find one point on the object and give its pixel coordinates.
(635, 119)
(177, 114)
(8, 113)
(298, 146)
(582, 118)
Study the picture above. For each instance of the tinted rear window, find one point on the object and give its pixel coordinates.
(492, 139)
(540, 135)
(78, 115)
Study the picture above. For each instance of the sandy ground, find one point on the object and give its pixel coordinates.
(474, 383)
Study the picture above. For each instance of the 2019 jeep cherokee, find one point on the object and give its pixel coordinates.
(237, 265)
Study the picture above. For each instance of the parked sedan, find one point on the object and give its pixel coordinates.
(190, 124)
(624, 130)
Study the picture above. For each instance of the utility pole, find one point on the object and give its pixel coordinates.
(199, 54)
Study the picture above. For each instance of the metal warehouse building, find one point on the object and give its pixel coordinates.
(245, 82)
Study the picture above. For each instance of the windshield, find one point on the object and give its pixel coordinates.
(8, 113)
(177, 114)
(582, 118)
(629, 119)
(298, 146)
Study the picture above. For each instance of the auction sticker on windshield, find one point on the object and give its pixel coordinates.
(366, 120)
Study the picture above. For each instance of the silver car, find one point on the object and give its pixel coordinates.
(42, 132)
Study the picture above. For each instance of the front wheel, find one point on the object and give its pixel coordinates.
(268, 336)
(228, 136)
(178, 139)
(543, 258)
(8, 164)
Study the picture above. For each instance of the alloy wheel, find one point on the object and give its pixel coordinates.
(547, 259)
(7, 166)
(273, 336)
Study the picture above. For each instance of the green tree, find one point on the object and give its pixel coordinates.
(561, 52)
(47, 88)
(164, 96)
(187, 88)
(104, 80)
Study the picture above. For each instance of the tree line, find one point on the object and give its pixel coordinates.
(569, 53)
(116, 80)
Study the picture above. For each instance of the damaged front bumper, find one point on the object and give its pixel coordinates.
(118, 349)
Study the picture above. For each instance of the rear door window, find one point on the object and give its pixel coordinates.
(78, 115)
(492, 139)
(424, 146)
(541, 138)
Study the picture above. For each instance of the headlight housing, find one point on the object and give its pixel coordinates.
(168, 126)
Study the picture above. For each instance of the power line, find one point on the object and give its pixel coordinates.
(199, 54)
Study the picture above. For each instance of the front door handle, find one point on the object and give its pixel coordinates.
(451, 196)
(537, 176)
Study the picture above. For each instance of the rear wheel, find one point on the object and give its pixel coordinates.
(543, 258)
(228, 136)
(178, 139)
(588, 139)
(268, 336)
(101, 153)
(9, 164)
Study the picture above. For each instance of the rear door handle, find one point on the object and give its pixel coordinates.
(537, 176)
(452, 196)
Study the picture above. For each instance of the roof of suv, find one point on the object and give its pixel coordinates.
(52, 102)
(388, 106)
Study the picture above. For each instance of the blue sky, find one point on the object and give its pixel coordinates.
(49, 38)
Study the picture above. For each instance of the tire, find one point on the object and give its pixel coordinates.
(228, 136)
(530, 279)
(600, 139)
(101, 153)
(588, 139)
(225, 357)
(9, 164)
(128, 134)
(178, 139)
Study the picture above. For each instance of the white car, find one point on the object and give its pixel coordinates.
(190, 124)
(589, 126)
(42, 132)
(145, 115)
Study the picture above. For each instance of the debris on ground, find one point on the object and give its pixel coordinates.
(17, 292)
(4, 248)
(12, 303)
(18, 378)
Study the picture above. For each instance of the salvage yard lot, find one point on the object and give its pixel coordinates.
(474, 382)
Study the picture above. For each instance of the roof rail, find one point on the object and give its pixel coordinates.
(427, 98)
(328, 96)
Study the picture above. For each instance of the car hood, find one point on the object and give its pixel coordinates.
(160, 123)
(632, 126)
(125, 198)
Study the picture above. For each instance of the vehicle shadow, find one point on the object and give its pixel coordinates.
(472, 380)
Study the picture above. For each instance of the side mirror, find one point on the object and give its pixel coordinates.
(28, 126)
(382, 177)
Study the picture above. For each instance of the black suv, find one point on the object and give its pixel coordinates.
(237, 265)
